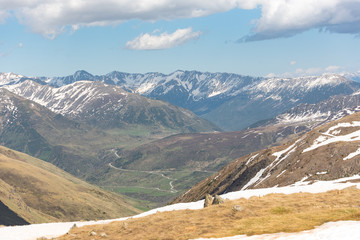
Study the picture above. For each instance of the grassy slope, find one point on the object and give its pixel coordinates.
(269, 214)
(40, 192)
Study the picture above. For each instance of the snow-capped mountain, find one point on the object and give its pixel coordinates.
(9, 78)
(313, 115)
(109, 106)
(326, 153)
(77, 76)
(270, 97)
(231, 101)
(188, 89)
(355, 76)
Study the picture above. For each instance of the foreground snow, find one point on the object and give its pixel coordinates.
(344, 230)
(31, 232)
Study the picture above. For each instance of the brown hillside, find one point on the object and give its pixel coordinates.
(284, 165)
(40, 192)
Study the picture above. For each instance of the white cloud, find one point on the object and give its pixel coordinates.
(271, 75)
(279, 18)
(292, 62)
(4, 15)
(165, 40)
(333, 69)
(52, 17)
(314, 71)
(309, 71)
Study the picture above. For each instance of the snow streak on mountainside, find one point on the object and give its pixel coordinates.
(313, 115)
(8, 109)
(67, 100)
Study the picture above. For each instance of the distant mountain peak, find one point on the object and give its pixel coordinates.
(8, 78)
(81, 74)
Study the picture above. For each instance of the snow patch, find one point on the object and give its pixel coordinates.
(254, 179)
(281, 173)
(304, 117)
(328, 137)
(351, 155)
(251, 159)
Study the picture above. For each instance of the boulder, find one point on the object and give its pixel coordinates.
(208, 200)
(218, 200)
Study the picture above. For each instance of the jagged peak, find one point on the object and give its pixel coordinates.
(82, 73)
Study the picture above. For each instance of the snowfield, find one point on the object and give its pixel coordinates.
(345, 230)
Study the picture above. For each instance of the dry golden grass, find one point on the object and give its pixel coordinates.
(40, 192)
(259, 215)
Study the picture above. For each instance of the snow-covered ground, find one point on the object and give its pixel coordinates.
(348, 229)
(344, 230)
(332, 135)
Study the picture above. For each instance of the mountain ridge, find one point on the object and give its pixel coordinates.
(105, 105)
(225, 99)
(325, 153)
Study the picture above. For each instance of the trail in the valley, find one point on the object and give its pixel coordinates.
(157, 172)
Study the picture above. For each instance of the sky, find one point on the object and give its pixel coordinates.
(286, 38)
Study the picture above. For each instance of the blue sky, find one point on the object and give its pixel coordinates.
(250, 37)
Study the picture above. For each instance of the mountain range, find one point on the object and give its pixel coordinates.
(109, 107)
(100, 128)
(230, 101)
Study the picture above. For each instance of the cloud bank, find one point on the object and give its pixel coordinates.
(162, 41)
(279, 18)
(286, 18)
